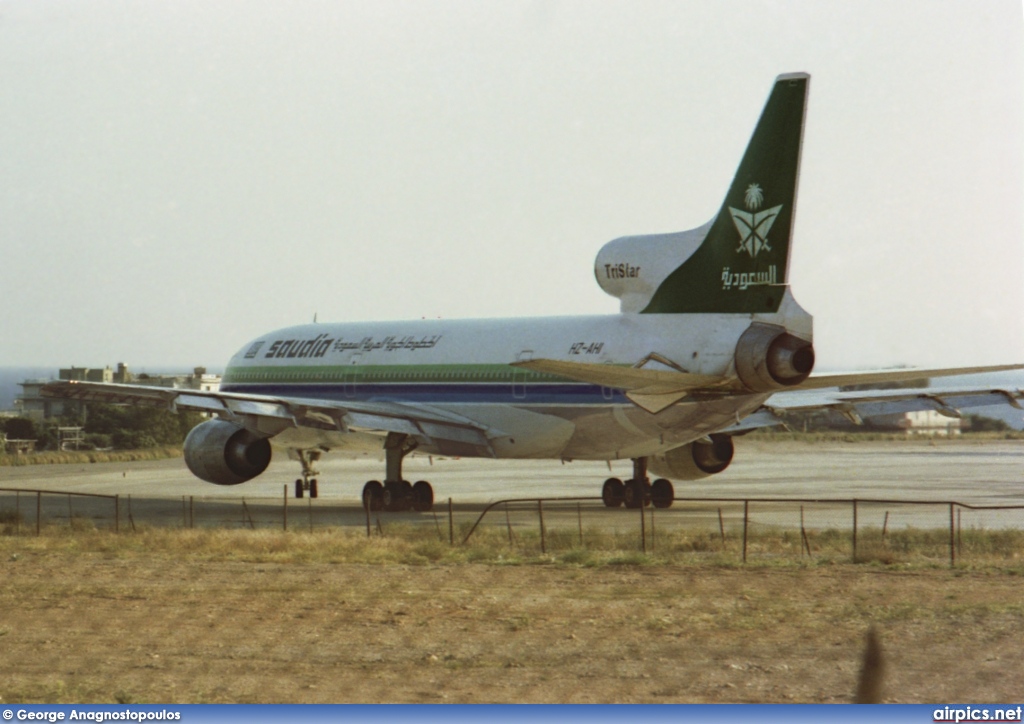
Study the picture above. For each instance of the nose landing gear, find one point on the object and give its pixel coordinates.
(308, 480)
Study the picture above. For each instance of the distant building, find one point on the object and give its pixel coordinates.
(930, 422)
(84, 374)
(198, 380)
(920, 422)
(34, 406)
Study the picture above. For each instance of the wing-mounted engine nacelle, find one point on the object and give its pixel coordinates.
(224, 453)
(769, 358)
(694, 461)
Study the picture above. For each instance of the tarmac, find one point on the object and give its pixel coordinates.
(979, 473)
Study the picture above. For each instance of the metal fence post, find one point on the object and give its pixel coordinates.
(643, 523)
(952, 537)
(39, 509)
(437, 524)
(854, 530)
(746, 517)
(803, 535)
(451, 523)
(959, 532)
(540, 515)
(252, 523)
(654, 544)
(284, 508)
(117, 512)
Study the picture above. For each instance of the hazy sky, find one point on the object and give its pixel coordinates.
(178, 178)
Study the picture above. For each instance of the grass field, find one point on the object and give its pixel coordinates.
(165, 615)
(89, 456)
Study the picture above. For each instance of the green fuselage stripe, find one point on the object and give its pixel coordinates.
(441, 373)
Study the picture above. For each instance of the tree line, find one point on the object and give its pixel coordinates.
(109, 427)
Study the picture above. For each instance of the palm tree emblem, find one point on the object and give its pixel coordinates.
(754, 197)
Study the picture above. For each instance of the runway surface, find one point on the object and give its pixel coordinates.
(970, 472)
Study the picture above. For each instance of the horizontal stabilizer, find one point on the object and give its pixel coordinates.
(630, 379)
(655, 403)
(651, 390)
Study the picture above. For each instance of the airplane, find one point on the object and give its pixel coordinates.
(709, 343)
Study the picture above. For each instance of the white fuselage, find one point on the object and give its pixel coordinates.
(463, 367)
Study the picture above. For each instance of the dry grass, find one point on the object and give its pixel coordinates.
(267, 616)
(90, 456)
(414, 545)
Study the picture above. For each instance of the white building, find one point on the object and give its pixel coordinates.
(930, 422)
(198, 380)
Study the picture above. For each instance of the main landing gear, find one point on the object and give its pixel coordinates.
(397, 494)
(308, 479)
(638, 491)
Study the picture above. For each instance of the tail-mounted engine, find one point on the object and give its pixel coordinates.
(769, 358)
(694, 461)
(224, 453)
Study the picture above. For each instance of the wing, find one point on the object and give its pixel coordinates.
(656, 389)
(450, 434)
(859, 406)
(841, 379)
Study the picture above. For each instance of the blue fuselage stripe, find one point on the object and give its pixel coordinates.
(485, 393)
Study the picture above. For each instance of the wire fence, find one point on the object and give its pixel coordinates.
(741, 528)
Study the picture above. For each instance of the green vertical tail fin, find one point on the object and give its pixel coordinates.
(742, 264)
